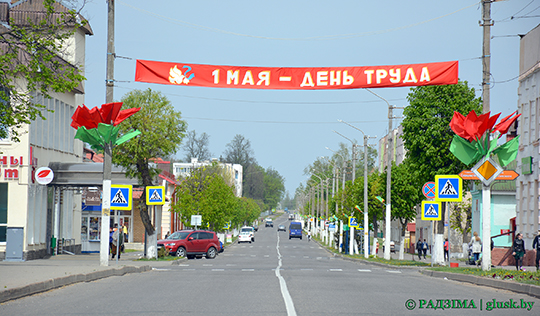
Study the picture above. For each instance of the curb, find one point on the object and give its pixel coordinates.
(528, 289)
(35, 288)
(512, 286)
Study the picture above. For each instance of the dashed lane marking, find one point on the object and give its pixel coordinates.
(364, 270)
(393, 271)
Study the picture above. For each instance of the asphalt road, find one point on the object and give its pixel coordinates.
(273, 276)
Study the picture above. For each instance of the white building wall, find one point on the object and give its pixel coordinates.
(527, 218)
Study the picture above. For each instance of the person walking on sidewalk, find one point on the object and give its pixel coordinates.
(446, 245)
(536, 245)
(118, 241)
(419, 248)
(476, 243)
(424, 248)
(519, 251)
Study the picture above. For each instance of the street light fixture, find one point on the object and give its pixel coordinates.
(388, 176)
(366, 219)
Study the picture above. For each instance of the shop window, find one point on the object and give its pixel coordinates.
(3, 211)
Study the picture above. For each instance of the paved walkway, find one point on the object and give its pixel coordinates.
(19, 279)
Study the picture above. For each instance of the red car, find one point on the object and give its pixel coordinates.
(191, 243)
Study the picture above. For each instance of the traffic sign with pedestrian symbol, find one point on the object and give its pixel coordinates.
(448, 188)
(121, 197)
(155, 195)
(353, 222)
(431, 211)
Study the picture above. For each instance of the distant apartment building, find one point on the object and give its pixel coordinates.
(184, 169)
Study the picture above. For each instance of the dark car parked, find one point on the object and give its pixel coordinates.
(191, 243)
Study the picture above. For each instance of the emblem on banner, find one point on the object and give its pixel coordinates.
(177, 77)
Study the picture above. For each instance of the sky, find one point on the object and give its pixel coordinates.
(290, 129)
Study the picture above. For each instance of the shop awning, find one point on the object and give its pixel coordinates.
(86, 174)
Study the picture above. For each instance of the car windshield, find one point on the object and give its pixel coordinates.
(178, 235)
(247, 229)
(296, 226)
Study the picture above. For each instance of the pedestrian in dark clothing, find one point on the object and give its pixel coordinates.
(424, 247)
(519, 251)
(419, 249)
(536, 245)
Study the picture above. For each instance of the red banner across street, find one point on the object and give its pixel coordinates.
(291, 78)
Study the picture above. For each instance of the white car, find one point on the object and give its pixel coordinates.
(249, 229)
(244, 237)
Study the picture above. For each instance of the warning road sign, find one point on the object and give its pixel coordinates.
(448, 188)
(431, 211)
(121, 197)
(155, 195)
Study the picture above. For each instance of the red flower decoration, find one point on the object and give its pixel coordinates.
(472, 127)
(109, 113)
(505, 123)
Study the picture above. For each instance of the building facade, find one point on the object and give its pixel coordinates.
(527, 217)
(25, 205)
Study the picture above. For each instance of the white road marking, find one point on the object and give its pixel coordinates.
(230, 265)
(183, 265)
(335, 270)
(306, 257)
(218, 269)
(188, 269)
(207, 265)
(306, 269)
(266, 256)
(289, 304)
(253, 255)
(248, 269)
(393, 271)
(156, 269)
(364, 270)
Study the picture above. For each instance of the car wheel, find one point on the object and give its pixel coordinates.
(181, 252)
(289, 237)
(300, 238)
(211, 253)
(250, 242)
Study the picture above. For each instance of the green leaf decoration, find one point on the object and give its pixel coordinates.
(508, 151)
(90, 136)
(465, 151)
(108, 132)
(127, 137)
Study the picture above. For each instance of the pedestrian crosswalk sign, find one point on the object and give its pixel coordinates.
(431, 211)
(155, 195)
(353, 222)
(121, 197)
(448, 188)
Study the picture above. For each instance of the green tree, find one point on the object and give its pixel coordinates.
(405, 194)
(162, 130)
(31, 52)
(427, 134)
(426, 130)
(274, 187)
(208, 193)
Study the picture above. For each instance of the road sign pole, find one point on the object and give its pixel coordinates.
(486, 227)
(351, 240)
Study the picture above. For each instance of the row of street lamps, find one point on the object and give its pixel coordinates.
(388, 184)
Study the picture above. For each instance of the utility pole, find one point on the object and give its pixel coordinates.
(486, 23)
(107, 148)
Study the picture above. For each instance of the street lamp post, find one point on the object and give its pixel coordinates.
(351, 241)
(388, 176)
(342, 190)
(366, 219)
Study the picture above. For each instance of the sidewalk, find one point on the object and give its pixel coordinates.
(19, 279)
(513, 286)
